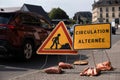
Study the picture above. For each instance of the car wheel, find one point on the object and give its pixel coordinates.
(27, 50)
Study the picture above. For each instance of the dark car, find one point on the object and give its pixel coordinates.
(21, 33)
(113, 30)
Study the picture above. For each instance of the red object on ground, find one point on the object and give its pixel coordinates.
(65, 65)
(104, 66)
(53, 70)
(90, 72)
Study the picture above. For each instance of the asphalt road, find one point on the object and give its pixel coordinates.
(11, 67)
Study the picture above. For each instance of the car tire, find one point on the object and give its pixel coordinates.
(27, 50)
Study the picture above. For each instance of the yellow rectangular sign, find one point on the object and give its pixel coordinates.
(94, 36)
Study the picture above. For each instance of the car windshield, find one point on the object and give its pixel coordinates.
(5, 17)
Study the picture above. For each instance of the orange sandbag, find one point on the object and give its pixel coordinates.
(65, 65)
(104, 66)
(90, 72)
(53, 70)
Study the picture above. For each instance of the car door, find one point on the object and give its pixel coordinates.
(44, 29)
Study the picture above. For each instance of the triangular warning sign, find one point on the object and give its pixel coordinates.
(58, 42)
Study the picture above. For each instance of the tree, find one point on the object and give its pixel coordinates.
(57, 13)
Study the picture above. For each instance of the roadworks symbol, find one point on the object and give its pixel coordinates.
(58, 42)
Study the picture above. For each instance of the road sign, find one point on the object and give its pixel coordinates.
(58, 42)
(94, 36)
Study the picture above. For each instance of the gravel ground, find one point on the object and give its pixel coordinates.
(74, 74)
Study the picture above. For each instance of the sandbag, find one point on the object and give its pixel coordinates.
(104, 66)
(80, 62)
(90, 72)
(53, 70)
(65, 65)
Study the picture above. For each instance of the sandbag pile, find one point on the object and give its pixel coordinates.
(105, 66)
(90, 72)
(58, 70)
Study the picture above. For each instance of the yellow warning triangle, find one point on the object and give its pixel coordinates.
(58, 42)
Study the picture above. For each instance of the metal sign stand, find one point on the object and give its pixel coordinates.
(46, 60)
(93, 58)
(104, 51)
(107, 55)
